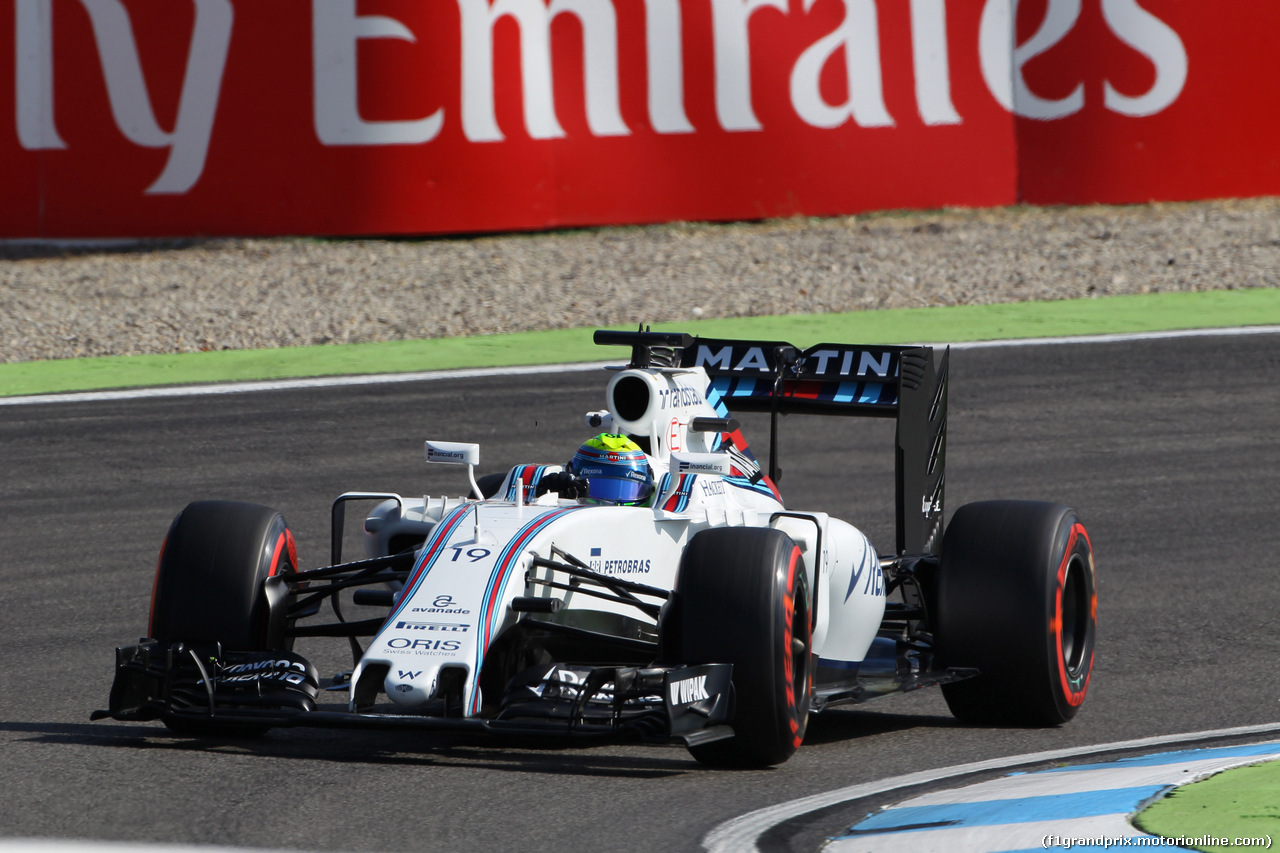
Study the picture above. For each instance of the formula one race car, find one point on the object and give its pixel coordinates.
(656, 588)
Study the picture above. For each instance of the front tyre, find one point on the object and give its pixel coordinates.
(1017, 599)
(210, 586)
(741, 598)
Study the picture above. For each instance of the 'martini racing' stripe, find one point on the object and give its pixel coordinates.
(716, 392)
(527, 479)
(719, 388)
(715, 399)
(663, 482)
(863, 392)
(679, 499)
(493, 592)
(763, 486)
(431, 552)
(844, 391)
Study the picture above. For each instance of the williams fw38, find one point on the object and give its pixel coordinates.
(654, 587)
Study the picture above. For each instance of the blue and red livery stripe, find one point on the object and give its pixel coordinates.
(493, 592)
(431, 552)
(528, 479)
(719, 388)
(876, 393)
(763, 486)
(679, 499)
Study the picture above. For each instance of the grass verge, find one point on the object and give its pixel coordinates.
(1232, 806)
(1107, 315)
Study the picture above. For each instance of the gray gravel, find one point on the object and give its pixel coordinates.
(63, 301)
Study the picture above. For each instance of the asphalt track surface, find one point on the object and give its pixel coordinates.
(1167, 448)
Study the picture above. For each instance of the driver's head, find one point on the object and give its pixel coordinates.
(616, 468)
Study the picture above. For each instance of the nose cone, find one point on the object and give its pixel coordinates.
(408, 688)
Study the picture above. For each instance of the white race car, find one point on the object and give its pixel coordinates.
(655, 588)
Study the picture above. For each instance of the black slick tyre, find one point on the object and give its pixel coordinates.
(1017, 599)
(741, 598)
(210, 585)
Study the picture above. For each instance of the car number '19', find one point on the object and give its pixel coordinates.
(474, 554)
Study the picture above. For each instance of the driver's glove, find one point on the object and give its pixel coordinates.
(566, 483)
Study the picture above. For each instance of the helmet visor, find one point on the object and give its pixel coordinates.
(618, 490)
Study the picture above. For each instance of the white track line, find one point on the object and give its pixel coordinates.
(1122, 338)
(740, 834)
(478, 373)
(60, 845)
(1021, 810)
(294, 384)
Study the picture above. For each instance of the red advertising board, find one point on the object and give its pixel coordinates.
(192, 117)
(1178, 101)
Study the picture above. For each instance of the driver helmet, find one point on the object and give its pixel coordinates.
(616, 468)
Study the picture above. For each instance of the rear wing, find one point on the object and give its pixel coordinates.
(900, 382)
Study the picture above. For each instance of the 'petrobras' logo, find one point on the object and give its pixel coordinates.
(619, 566)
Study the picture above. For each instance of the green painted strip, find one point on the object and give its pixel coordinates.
(1108, 315)
(1237, 804)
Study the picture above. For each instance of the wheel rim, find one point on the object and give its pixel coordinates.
(1075, 617)
(1073, 622)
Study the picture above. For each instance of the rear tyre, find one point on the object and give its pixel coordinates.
(741, 598)
(1017, 599)
(210, 585)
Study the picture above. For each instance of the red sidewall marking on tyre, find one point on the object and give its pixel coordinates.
(788, 664)
(1073, 696)
(281, 542)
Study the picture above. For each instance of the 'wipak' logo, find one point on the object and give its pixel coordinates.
(686, 691)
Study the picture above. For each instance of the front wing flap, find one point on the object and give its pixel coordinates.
(176, 681)
(154, 680)
(684, 702)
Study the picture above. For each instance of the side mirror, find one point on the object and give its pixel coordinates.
(457, 453)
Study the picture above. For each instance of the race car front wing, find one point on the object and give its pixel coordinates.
(216, 689)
